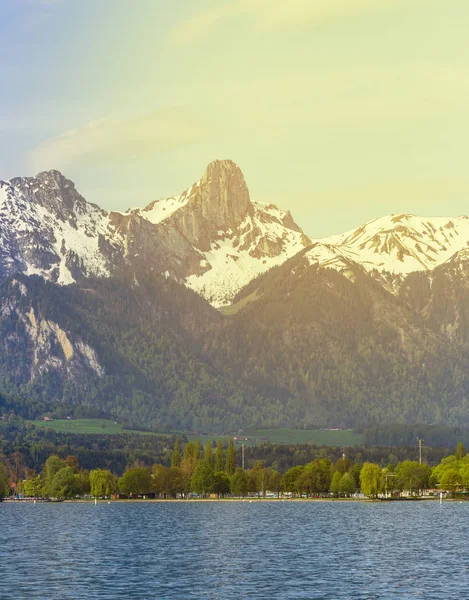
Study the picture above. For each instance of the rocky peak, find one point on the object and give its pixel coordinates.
(53, 191)
(223, 193)
(218, 202)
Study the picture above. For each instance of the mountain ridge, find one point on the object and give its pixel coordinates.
(212, 237)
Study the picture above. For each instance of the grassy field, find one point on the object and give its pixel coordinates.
(86, 426)
(250, 437)
(321, 437)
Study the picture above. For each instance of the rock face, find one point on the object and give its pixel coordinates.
(218, 202)
(42, 343)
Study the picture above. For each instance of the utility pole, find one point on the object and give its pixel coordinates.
(242, 455)
(420, 442)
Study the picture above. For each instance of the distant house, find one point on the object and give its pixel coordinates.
(47, 419)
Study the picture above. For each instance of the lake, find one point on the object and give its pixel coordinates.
(235, 550)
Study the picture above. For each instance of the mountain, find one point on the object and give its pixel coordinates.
(348, 351)
(392, 247)
(116, 311)
(211, 237)
(236, 238)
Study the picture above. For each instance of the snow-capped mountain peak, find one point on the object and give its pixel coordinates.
(236, 238)
(398, 244)
(48, 229)
(212, 236)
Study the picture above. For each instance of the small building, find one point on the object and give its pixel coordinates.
(47, 419)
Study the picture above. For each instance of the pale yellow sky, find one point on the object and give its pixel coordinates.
(340, 110)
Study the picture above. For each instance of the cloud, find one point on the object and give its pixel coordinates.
(105, 141)
(277, 15)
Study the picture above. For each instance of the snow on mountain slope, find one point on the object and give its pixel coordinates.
(395, 245)
(161, 209)
(212, 237)
(236, 238)
(48, 229)
(236, 257)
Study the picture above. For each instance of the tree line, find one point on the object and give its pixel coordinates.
(207, 471)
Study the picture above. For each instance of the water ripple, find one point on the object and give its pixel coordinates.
(235, 550)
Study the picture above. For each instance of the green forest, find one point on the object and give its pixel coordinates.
(198, 471)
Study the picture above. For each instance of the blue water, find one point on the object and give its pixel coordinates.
(236, 550)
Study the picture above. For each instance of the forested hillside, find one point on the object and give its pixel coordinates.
(129, 347)
(348, 351)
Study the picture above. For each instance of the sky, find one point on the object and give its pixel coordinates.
(338, 110)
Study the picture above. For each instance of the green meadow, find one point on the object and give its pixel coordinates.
(320, 437)
(250, 437)
(85, 426)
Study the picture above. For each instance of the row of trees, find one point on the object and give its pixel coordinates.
(204, 471)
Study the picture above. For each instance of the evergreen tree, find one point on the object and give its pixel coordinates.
(176, 457)
(230, 458)
(219, 462)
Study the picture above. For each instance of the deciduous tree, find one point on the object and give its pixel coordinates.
(202, 479)
(4, 482)
(347, 485)
(239, 483)
(335, 483)
(370, 480)
(135, 481)
(102, 483)
(219, 462)
(208, 453)
(230, 458)
(176, 456)
(64, 484)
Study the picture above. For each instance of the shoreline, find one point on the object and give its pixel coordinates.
(246, 499)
